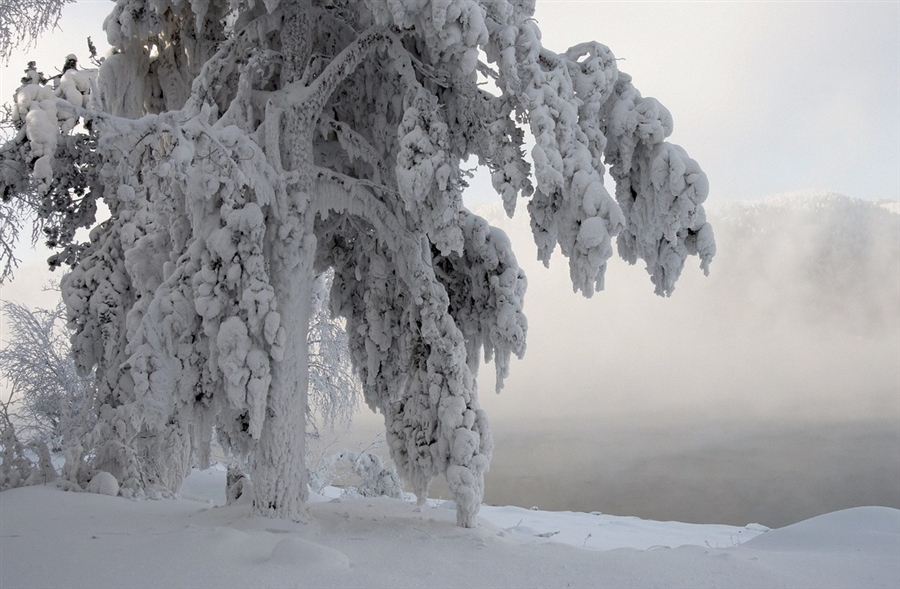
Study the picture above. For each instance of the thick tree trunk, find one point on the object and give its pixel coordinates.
(280, 480)
(279, 470)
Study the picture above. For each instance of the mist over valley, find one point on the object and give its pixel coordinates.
(768, 391)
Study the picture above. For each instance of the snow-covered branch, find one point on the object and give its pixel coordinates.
(312, 96)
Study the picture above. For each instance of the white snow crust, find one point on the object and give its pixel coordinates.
(51, 538)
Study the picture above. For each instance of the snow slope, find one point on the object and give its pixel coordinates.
(50, 538)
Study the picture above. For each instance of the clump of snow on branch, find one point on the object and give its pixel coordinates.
(37, 110)
(660, 188)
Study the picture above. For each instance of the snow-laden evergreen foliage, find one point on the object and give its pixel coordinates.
(243, 148)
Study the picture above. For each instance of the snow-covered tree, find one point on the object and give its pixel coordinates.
(47, 399)
(17, 465)
(245, 147)
(376, 479)
(334, 390)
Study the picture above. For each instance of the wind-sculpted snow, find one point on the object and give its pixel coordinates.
(244, 149)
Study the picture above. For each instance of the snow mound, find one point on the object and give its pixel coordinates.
(296, 551)
(103, 483)
(869, 529)
(97, 541)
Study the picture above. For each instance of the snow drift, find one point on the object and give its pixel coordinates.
(56, 539)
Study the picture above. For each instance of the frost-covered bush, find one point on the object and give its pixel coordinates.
(18, 467)
(245, 148)
(376, 478)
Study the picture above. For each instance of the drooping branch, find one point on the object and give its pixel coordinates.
(340, 68)
(23, 21)
(357, 147)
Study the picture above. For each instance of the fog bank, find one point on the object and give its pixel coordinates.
(768, 391)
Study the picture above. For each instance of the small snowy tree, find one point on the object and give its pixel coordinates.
(48, 400)
(334, 390)
(375, 478)
(245, 147)
(17, 467)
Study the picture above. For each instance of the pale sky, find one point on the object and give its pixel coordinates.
(769, 97)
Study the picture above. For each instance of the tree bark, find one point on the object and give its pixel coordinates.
(280, 480)
(279, 473)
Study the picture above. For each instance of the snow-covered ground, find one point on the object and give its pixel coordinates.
(50, 538)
